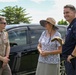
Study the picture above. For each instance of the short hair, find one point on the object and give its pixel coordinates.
(2, 18)
(71, 7)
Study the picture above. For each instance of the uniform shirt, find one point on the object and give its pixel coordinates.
(47, 45)
(3, 42)
(70, 40)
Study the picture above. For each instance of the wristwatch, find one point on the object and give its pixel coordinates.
(73, 56)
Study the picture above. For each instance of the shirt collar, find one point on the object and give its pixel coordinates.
(73, 21)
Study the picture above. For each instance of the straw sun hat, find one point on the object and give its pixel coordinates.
(49, 20)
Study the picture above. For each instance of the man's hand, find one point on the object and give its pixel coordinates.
(69, 58)
(5, 61)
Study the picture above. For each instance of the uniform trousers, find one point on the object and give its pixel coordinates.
(5, 71)
(70, 67)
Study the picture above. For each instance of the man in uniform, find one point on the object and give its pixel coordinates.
(4, 49)
(69, 47)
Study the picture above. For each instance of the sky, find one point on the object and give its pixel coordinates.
(40, 9)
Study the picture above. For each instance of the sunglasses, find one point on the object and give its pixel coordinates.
(47, 23)
(3, 23)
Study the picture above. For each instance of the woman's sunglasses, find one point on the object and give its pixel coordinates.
(3, 23)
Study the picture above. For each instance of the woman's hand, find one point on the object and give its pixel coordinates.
(45, 53)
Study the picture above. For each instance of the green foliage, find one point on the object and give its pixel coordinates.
(62, 22)
(15, 15)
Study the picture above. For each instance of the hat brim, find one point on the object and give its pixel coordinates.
(42, 23)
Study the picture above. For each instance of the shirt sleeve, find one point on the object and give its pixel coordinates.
(59, 35)
(6, 35)
(41, 37)
(58, 44)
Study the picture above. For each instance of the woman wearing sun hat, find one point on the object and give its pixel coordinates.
(49, 59)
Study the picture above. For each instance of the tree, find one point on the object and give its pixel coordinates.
(62, 22)
(15, 15)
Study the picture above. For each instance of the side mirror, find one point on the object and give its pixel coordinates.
(13, 44)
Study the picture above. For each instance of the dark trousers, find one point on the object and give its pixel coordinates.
(70, 67)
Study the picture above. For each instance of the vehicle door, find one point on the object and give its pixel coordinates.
(35, 33)
(62, 30)
(19, 56)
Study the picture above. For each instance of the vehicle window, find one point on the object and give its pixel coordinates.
(18, 37)
(35, 35)
(62, 30)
